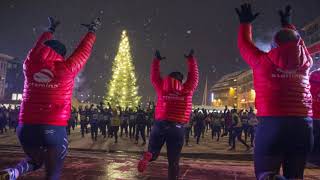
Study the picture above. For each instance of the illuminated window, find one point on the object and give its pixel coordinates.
(14, 97)
(19, 97)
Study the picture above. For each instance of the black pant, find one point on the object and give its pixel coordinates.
(103, 127)
(187, 134)
(125, 128)
(173, 135)
(236, 134)
(198, 131)
(251, 132)
(94, 131)
(83, 127)
(216, 131)
(114, 133)
(141, 130)
(282, 141)
(132, 130)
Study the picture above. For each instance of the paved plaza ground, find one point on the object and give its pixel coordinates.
(103, 159)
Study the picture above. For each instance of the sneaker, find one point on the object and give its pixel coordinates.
(7, 174)
(143, 163)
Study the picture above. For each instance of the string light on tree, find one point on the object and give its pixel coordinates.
(122, 88)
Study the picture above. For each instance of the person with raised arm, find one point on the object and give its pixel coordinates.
(283, 99)
(46, 103)
(173, 108)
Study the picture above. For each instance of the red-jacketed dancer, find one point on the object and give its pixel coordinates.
(315, 91)
(283, 99)
(174, 105)
(46, 104)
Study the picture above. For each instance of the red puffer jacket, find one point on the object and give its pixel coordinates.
(281, 76)
(174, 98)
(315, 91)
(49, 81)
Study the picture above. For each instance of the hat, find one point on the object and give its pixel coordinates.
(57, 46)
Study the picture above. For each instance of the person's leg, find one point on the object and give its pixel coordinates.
(92, 131)
(218, 133)
(130, 130)
(212, 132)
(137, 134)
(187, 134)
(82, 129)
(31, 142)
(56, 145)
(174, 142)
(239, 133)
(96, 132)
(156, 141)
(269, 146)
(298, 146)
(143, 135)
(245, 131)
(230, 136)
(116, 134)
(252, 135)
(121, 131)
(126, 130)
(198, 134)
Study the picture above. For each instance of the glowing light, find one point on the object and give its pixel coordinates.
(122, 87)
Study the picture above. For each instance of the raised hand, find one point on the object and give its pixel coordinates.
(190, 55)
(53, 24)
(245, 14)
(93, 26)
(158, 55)
(286, 15)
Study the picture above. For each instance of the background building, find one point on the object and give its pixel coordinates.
(14, 80)
(312, 38)
(246, 94)
(234, 90)
(224, 92)
(11, 80)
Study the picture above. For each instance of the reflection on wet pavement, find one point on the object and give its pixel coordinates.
(96, 166)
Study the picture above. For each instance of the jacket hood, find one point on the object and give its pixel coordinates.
(315, 76)
(171, 84)
(291, 56)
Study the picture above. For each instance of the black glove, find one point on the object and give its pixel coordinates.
(53, 24)
(246, 15)
(286, 15)
(190, 55)
(158, 55)
(93, 26)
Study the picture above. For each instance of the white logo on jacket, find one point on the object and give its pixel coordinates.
(44, 76)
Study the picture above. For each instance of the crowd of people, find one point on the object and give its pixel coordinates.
(8, 118)
(132, 123)
(136, 123)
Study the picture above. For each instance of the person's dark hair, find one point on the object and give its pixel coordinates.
(57, 46)
(177, 75)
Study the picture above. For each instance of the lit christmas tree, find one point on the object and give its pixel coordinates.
(122, 88)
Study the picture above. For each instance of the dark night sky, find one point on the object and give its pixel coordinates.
(173, 26)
